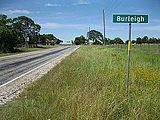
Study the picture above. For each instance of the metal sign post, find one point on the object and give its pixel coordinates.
(129, 59)
(129, 19)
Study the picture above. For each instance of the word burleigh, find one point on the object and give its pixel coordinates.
(130, 18)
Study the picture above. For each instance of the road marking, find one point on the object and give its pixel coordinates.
(24, 74)
(34, 69)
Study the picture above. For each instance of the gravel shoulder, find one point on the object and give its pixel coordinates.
(12, 89)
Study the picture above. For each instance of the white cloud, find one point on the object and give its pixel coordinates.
(52, 5)
(139, 11)
(81, 2)
(59, 13)
(63, 26)
(16, 11)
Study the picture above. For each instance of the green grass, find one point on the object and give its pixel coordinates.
(23, 50)
(89, 85)
(6, 54)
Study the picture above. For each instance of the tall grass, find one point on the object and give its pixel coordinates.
(89, 85)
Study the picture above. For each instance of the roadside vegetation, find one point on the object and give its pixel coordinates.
(96, 38)
(22, 32)
(89, 85)
(24, 50)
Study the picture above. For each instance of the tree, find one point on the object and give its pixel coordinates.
(112, 42)
(7, 36)
(133, 41)
(95, 36)
(126, 42)
(118, 40)
(139, 40)
(80, 40)
(7, 40)
(106, 40)
(72, 42)
(3, 20)
(49, 39)
(145, 39)
(58, 41)
(153, 40)
(34, 37)
(158, 40)
(24, 28)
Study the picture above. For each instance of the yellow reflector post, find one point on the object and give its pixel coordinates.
(129, 45)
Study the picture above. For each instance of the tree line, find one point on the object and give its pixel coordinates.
(22, 31)
(96, 38)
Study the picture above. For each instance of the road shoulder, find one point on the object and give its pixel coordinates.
(12, 89)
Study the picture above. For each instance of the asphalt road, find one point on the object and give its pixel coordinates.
(16, 65)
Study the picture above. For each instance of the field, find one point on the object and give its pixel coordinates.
(89, 85)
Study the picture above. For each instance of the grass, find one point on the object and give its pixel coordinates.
(89, 85)
(24, 50)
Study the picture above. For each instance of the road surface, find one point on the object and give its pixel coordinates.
(16, 65)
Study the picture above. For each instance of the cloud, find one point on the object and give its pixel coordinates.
(52, 5)
(139, 11)
(63, 26)
(78, 2)
(81, 2)
(148, 28)
(16, 11)
(59, 13)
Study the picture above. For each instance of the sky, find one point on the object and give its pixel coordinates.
(67, 19)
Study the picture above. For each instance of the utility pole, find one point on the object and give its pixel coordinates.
(104, 27)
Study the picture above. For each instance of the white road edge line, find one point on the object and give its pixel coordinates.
(31, 71)
(23, 74)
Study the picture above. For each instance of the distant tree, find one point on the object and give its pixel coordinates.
(106, 41)
(58, 41)
(126, 42)
(112, 42)
(145, 39)
(139, 40)
(95, 36)
(80, 40)
(72, 42)
(133, 41)
(42, 39)
(153, 40)
(118, 40)
(158, 40)
(49, 39)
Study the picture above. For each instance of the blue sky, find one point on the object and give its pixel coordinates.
(67, 19)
